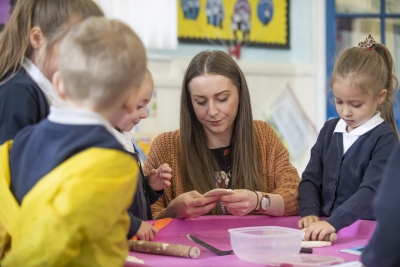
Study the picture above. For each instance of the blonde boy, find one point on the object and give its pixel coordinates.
(66, 183)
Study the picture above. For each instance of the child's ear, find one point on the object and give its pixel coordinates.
(59, 85)
(36, 37)
(382, 95)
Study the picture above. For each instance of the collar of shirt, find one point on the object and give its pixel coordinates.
(362, 129)
(78, 117)
(44, 84)
(350, 138)
(125, 139)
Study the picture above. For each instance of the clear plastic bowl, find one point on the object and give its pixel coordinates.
(264, 244)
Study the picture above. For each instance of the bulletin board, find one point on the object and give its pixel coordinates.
(256, 23)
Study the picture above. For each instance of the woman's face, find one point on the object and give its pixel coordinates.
(215, 101)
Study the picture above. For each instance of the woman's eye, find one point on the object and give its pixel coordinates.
(201, 103)
(338, 102)
(357, 106)
(139, 107)
(223, 99)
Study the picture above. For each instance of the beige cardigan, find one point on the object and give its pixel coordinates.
(279, 176)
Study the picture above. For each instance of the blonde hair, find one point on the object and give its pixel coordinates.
(148, 75)
(371, 70)
(54, 17)
(99, 60)
(198, 163)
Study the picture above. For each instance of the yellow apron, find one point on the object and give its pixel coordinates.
(74, 216)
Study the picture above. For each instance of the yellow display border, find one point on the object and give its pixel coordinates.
(274, 35)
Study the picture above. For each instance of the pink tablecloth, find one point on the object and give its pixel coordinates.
(213, 230)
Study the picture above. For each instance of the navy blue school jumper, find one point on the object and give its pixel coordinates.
(145, 196)
(383, 247)
(39, 148)
(22, 103)
(342, 187)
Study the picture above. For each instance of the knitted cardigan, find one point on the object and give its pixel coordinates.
(278, 174)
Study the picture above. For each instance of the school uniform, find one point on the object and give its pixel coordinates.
(382, 249)
(65, 185)
(25, 98)
(344, 171)
(140, 210)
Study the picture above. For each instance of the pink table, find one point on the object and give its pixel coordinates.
(213, 230)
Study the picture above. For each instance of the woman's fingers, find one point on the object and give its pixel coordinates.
(202, 201)
(198, 211)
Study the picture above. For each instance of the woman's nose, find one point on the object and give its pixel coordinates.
(212, 109)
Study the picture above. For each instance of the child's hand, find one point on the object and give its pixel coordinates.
(318, 230)
(146, 231)
(307, 221)
(160, 178)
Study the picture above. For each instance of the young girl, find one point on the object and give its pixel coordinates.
(29, 57)
(151, 187)
(350, 154)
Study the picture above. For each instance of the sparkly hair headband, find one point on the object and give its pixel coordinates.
(368, 43)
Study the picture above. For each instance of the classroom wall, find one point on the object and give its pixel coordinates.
(267, 71)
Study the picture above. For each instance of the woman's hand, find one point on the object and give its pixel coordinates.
(318, 230)
(160, 178)
(146, 231)
(307, 221)
(241, 203)
(190, 205)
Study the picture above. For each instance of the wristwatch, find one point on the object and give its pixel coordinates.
(265, 203)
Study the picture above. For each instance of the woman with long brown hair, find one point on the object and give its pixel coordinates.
(29, 57)
(220, 146)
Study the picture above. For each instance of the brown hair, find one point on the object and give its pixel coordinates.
(198, 163)
(99, 60)
(54, 17)
(372, 70)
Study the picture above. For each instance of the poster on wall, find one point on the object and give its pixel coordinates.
(255, 23)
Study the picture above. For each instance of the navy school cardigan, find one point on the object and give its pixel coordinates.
(342, 187)
(40, 148)
(22, 103)
(383, 247)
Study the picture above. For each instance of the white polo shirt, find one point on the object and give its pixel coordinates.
(44, 84)
(125, 139)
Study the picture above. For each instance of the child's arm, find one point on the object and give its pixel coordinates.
(146, 231)
(157, 156)
(382, 249)
(318, 230)
(307, 221)
(311, 185)
(141, 229)
(359, 204)
(153, 195)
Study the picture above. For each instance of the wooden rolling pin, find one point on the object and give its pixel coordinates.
(330, 237)
(164, 249)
